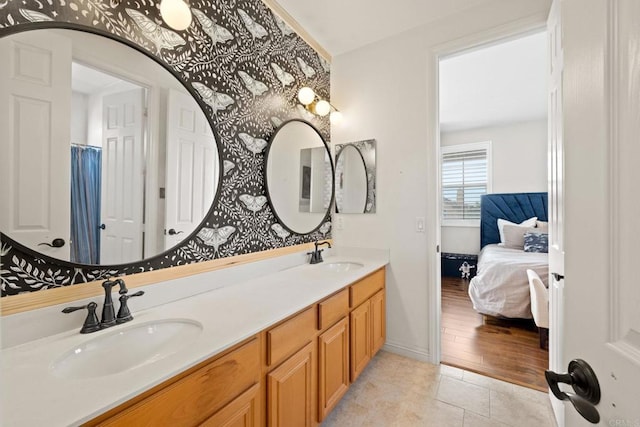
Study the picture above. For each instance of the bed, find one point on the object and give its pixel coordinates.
(501, 286)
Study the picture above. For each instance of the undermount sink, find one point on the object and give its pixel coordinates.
(125, 349)
(341, 267)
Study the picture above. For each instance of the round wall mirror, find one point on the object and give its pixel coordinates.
(351, 181)
(106, 157)
(299, 176)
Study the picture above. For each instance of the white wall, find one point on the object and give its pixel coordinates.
(385, 91)
(518, 164)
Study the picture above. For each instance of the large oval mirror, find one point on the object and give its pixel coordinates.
(299, 176)
(105, 156)
(351, 181)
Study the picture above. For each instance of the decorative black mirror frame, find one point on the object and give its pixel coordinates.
(252, 117)
(326, 221)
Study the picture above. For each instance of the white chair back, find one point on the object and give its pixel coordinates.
(539, 300)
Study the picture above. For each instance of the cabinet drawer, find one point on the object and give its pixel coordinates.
(241, 412)
(290, 336)
(333, 309)
(362, 290)
(192, 399)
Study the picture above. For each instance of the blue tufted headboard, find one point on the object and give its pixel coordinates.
(514, 207)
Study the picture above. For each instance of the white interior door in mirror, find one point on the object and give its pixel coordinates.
(122, 177)
(351, 181)
(35, 95)
(192, 167)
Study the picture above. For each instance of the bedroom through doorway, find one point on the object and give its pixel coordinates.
(493, 141)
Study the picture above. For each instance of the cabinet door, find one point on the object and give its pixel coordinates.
(333, 371)
(290, 391)
(240, 412)
(378, 333)
(360, 339)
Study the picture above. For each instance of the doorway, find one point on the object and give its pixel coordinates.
(492, 139)
(108, 131)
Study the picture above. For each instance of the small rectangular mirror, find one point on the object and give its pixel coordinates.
(356, 177)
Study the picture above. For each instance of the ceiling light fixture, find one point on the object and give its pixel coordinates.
(176, 14)
(317, 105)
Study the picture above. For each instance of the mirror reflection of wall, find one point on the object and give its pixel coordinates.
(315, 180)
(356, 177)
(106, 150)
(299, 176)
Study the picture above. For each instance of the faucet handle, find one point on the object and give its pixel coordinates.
(316, 256)
(124, 314)
(123, 287)
(91, 322)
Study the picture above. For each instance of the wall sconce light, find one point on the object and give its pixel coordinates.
(318, 106)
(176, 14)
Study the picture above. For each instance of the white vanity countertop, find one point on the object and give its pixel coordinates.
(33, 396)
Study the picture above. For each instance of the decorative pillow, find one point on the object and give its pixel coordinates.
(514, 236)
(536, 242)
(542, 226)
(531, 222)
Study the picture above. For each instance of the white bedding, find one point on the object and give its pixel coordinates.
(501, 287)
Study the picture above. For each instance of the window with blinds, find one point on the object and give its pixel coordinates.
(465, 177)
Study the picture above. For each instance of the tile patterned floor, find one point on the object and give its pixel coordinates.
(396, 391)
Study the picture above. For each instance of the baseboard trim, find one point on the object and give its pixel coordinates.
(407, 352)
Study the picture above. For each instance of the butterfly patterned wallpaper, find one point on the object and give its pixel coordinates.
(247, 65)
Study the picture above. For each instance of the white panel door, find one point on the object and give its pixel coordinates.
(121, 239)
(556, 202)
(601, 127)
(35, 100)
(192, 167)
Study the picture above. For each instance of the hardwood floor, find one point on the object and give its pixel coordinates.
(504, 349)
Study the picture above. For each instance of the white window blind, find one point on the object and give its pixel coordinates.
(465, 177)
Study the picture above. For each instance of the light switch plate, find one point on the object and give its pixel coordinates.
(419, 224)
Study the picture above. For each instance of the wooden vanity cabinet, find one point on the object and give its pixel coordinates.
(360, 322)
(223, 388)
(290, 375)
(291, 380)
(333, 351)
(291, 390)
(378, 322)
(367, 321)
(243, 411)
(333, 366)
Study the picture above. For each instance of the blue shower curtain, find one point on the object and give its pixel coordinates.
(86, 173)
